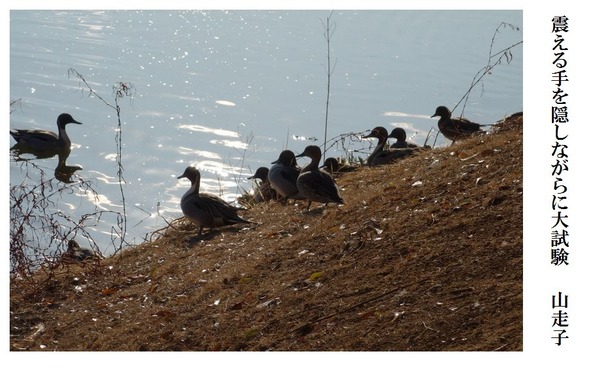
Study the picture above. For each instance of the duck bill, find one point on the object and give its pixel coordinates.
(371, 134)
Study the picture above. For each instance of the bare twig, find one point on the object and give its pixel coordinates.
(120, 90)
(39, 233)
(13, 103)
(346, 141)
(329, 31)
(493, 61)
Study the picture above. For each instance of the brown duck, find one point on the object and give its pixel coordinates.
(400, 135)
(44, 142)
(455, 128)
(283, 175)
(264, 191)
(333, 166)
(206, 210)
(379, 155)
(315, 184)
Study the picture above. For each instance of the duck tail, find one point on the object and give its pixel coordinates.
(15, 134)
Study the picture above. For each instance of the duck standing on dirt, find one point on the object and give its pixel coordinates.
(206, 210)
(315, 184)
(455, 128)
(284, 174)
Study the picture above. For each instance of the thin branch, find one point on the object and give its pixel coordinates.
(120, 90)
(329, 31)
(493, 61)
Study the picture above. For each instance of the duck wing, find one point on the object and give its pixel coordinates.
(34, 135)
(221, 212)
(289, 174)
(465, 125)
(320, 186)
(391, 155)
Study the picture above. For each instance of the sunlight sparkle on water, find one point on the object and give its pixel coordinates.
(230, 144)
(200, 153)
(204, 129)
(225, 103)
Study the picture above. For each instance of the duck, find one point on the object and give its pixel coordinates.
(206, 210)
(283, 176)
(332, 166)
(400, 135)
(455, 128)
(315, 184)
(76, 252)
(44, 141)
(381, 156)
(264, 192)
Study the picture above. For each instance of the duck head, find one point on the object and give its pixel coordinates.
(378, 132)
(399, 133)
(64, 119)
(312, 151)
(73, 245)
(190, 173)
(331, 164)
(286, 158)
(261, 173)
(442, 111)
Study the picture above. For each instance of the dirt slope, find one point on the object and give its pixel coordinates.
(426, 255)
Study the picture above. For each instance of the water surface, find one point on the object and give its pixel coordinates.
(227, 91)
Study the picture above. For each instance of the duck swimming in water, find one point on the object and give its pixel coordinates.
(284, 174)
(315, 184)
(206, 210)
(44, 141)
(455, 128)
(381, 156)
